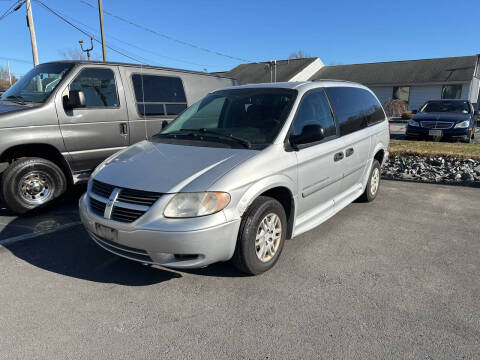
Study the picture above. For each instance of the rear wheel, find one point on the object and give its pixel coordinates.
(261, 236)
(29, 183)
(373, 183)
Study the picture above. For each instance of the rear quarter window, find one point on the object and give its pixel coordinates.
(354, 108)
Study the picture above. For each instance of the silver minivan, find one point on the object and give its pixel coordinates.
(239, 172)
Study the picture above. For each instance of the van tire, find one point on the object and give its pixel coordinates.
(375, 175)
(51, 177)
(245, 257)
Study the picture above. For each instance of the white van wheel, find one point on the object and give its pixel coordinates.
(373, 183)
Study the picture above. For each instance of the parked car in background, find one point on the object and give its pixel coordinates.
(238, 173)
(62, 119)
(452, 120)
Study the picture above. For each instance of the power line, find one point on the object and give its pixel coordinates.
(85, 32)
(168, 37)
(136, 46)
(14, 7)
(16, 60)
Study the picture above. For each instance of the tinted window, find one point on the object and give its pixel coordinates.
(99, 87)
(354, 108)
(452, 92)
(159, 90)
(314, 110)
(461, 107)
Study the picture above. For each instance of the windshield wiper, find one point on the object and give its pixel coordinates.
(18, 98)
(206, 131)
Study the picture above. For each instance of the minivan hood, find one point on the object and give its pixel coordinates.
(168, 168)
(441, 117)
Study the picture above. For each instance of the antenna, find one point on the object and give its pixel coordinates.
(87, 50)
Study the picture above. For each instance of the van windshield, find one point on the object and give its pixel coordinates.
(251, 117)
(36, 85)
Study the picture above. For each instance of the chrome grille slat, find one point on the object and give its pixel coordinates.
(433, 124)
(129, 205)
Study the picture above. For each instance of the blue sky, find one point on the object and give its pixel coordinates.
(339, 32)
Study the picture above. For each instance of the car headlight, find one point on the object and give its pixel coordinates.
(187, 205)
(463, 124)
(412, 122)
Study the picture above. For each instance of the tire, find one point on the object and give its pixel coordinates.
(245, 258)
(30, 183)
(371, 191)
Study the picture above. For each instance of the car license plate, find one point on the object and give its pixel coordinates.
(106, 232)
(435, 132)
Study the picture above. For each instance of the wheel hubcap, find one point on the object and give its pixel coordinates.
(36, 187)
(375, 181)
(268, 237)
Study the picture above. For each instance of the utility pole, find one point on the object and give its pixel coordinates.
(9, 74)
(100, 13)
(31, 26)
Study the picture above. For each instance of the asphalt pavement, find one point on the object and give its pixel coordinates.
(393, 279)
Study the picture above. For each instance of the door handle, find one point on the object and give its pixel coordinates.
(123, 128)
(349, 152)
(338, 156)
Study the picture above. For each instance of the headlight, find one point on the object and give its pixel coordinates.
(412, 122)
(463, 124)
(187, 205)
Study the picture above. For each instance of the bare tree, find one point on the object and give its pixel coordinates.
(299, 54)
(5, 80)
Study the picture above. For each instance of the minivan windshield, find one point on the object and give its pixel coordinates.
(248, 117)
(460, 107)
(36, 85)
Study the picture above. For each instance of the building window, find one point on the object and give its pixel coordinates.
(401, 93)
(451, 91)
(159, 95)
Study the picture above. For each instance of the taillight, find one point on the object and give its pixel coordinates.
(389, 128)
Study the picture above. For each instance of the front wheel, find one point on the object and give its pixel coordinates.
(29, 183)
(261, 236)
(373, 183)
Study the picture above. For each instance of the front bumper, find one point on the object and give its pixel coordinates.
(176, 249)
(448, 134)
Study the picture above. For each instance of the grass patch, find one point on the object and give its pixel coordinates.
(431, 148)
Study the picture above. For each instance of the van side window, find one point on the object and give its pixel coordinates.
(99, 87)
(314, 110)
(159, 95)
(354, 108)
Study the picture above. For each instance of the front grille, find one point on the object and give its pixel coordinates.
(102, 189)
(129, 205)
(97, 207)
(431, 124)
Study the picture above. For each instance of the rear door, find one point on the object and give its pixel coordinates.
(100, 129)
(320, 165)
(356, 112)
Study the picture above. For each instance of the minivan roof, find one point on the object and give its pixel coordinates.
(303, 85)
(90, 62)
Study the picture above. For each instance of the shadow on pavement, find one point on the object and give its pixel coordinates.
(70, 252)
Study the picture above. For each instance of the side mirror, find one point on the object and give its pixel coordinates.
(309, 134)
(74, 99)
(414, 111)
(164, 124)
(476, 112)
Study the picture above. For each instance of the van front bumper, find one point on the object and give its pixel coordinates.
(175, 249)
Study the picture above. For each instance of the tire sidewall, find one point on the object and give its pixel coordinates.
(13, 175)
(248, 236)
(370, 196)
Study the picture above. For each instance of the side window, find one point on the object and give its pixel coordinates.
(314, 110)
(354, 108)
(159, 95)
(99, 87)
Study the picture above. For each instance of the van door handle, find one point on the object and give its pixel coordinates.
(338, 156)
(349, 152)
(123, 129)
